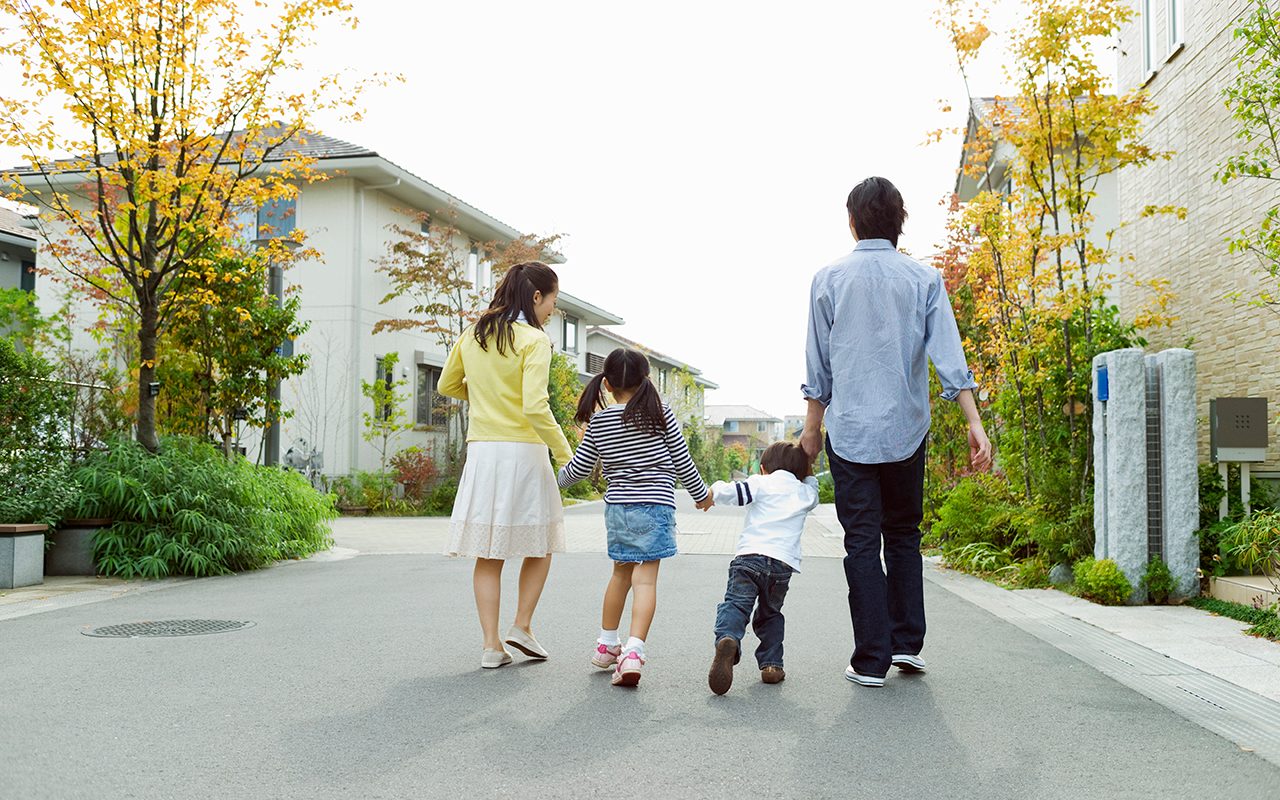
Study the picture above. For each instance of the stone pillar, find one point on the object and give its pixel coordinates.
(1181, 484)
(1120, 465)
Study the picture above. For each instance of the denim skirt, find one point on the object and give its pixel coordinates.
(640, 531)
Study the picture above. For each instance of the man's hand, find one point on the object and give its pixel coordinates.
(811, 441)
(979, 447)
(706, 502)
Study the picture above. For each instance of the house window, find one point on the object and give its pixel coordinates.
(1176, 25)
(1148, 40)
(595, 363)
(27, 280)
(473, 265)
(761, 427)
(433, 407)
(731, 426)
(277, 218)
(424, 241)
(383, 373)
(662, 380)
(570, 334)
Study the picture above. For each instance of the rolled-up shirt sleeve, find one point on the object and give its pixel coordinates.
(943, 345)
(817, 350)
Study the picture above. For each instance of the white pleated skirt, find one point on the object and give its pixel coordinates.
(508, 503)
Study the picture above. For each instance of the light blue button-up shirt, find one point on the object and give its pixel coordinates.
(876, 319)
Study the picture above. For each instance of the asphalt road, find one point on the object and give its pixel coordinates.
(360, 679)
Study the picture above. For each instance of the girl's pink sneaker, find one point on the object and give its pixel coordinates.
(605, 656)
(627, 673)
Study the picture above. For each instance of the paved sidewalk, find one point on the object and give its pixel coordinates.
(67, 591)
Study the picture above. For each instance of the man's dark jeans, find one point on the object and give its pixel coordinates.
(762, 582)
(875, 501)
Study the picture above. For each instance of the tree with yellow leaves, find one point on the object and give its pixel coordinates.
(149, 127)
(1026, 254)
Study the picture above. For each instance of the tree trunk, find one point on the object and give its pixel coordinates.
(146, 375)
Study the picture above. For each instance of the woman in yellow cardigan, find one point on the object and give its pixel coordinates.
(508, 503)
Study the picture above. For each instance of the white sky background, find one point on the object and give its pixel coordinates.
(697, 155)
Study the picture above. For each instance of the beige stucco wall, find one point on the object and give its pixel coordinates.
(1236, 345)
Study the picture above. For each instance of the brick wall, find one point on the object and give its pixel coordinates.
(1237, 347)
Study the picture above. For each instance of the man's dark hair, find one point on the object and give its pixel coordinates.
(877, 211)
(788, 456)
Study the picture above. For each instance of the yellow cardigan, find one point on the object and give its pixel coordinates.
(507, 393)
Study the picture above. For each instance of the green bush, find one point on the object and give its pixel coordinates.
(1158, 581)
(826, 488)
(981, 509)
(1254, 543)
(1261, 495)
(1213, 560)
(188, 510)
(1102, 581)
(35, 453)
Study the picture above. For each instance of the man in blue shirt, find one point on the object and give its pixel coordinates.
(876, 320)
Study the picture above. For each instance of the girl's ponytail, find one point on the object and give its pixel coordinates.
(591, 401)
(644, 409)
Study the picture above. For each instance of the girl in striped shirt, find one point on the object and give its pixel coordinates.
(639, 443)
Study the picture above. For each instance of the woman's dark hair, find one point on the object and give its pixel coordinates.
(513, 297)
(788, 456)
(877, 210)
(626, 371)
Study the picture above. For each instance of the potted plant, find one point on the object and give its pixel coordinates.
(350, 496)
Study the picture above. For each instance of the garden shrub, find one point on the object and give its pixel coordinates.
(35, 453)
(1254, 542)
(980, 509)
(188, 510)
(1158, 581)
(415, 470)
(826, 488)
(1102, 581)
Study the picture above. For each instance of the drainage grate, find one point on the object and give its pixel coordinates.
(168, 627)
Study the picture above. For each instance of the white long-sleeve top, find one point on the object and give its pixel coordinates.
(777, 505)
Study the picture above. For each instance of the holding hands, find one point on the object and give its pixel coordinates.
(706, 503)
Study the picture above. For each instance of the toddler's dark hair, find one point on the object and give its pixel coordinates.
(788, 456)
(627, 370)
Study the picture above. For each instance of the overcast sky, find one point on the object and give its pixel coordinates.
(695, 154)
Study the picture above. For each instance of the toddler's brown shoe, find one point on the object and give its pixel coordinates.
(773, 675)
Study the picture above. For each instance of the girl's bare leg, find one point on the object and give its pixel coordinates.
(615, 596)
(644, 598)
(487, 581)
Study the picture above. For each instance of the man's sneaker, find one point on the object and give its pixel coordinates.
(908, 663)
(720, 678)
(862, 680)
(773, 675)
(627, 673)
(604, 655)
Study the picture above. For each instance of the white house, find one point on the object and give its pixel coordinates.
(747, 426)
(348, 219)
(682, 386)
(17, 251)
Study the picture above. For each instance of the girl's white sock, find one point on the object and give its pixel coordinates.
(609, 638)
(635, 644)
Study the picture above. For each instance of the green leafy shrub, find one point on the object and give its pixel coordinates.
(1158, 581)
(35, 453)
(826, 488)
(1254, 542)
(188, 510)
(1102, 581)
(440, 502)
(1213, 559)
(979, 558)
(980, 509)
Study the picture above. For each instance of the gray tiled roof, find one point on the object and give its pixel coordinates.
(11, 222)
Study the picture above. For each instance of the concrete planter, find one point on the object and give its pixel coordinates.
(72, 550)
(21, 555)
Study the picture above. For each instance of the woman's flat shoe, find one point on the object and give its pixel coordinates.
(523, 641)
(492, 659)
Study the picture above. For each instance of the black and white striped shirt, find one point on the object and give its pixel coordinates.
(639, 467)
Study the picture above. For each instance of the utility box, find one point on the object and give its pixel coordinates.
(1238, 429)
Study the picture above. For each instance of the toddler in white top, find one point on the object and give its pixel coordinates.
(777, 501)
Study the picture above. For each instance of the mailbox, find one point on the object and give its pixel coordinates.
(1238, 429)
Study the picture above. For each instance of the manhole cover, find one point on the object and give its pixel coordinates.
(168, 627)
